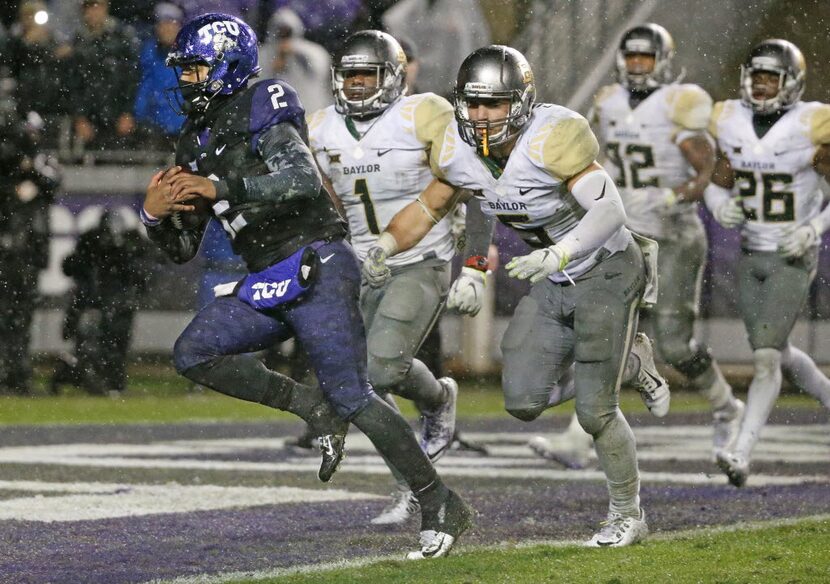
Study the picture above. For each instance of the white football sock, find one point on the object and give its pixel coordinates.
(801, 371)
(763, 391)
(617, 453)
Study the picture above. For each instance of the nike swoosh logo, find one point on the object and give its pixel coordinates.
(327, 258)
(602, 194)
(220, 149)
(384, 152)
(523, 192)
(653, 378)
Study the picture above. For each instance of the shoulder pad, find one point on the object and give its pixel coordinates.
(604, 93)
(818, 122)
(430, 116)
(690, 107)
(314, 121)
(443, 150)
(717, 113)
(274, 102)
(564, 145)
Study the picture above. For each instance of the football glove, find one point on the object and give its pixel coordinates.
(797, 241)
(538, 265)
(730, 214)
(375, 271)
(467, 292)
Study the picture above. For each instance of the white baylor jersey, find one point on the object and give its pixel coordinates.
(388, 168)
(774, 175)
(529, 195)
(642, 152)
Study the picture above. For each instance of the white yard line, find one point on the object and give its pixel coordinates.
(93, 501)
(510, 459)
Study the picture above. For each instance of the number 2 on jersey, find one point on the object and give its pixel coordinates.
(361, 191)
(276, 90)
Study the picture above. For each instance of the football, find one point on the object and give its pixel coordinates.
(185, 220)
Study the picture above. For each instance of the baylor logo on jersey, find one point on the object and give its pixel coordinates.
(361, 169)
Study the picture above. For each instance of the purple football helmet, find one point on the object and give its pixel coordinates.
(226, 45)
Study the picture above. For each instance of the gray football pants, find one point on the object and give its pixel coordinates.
(398, 317)
(680, 270)
(590, 325)
(771, 292)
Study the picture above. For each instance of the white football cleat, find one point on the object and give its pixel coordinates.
(438, 426)
(653, 387)
(619, 531)
(440, 531)
(434, 544)
(568, 449)
(734, 466)
(726, 423)
(403, 506)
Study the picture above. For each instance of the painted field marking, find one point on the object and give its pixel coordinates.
(91, 501)
(511, 459)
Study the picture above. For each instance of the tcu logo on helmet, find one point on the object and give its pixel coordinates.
(218, 31)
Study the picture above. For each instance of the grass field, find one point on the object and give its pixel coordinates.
(158, 395)
(70, 455)
(791, 553)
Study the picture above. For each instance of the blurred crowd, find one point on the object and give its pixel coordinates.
(91, 74)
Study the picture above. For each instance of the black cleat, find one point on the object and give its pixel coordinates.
(332, 451)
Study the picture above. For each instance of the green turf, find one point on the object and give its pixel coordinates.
(158, 395)
(789, 554)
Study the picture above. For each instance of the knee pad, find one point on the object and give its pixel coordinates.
(699, 363)
(767, 362)
(526, 414)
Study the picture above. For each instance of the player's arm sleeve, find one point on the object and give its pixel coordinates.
(595, 192)
(569, 153)
(691, 110)
(293, 171)
(180, 245)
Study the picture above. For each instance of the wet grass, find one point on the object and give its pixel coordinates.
(156, 394)
(795, 553)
